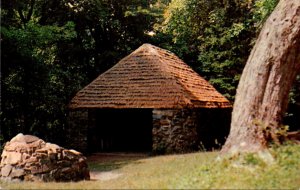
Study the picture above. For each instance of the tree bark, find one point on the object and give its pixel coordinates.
(263, 91)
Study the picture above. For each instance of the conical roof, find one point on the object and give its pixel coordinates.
(150, 77)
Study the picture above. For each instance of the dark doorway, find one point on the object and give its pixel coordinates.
(213, 128)
(121, 130)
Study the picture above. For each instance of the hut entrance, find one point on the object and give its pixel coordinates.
(126, 130)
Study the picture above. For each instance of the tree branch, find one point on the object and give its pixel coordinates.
(32, 2)
(22, 16)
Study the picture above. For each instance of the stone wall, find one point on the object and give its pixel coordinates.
(174, 131)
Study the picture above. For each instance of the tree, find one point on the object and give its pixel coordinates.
(51, 49)
(263, 92)
(215, 37)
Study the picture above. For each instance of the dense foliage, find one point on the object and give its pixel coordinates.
(216, 36)
(51, 49)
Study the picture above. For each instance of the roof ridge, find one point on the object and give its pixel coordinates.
(167, 70)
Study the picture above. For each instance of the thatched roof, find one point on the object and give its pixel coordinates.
(150, 77)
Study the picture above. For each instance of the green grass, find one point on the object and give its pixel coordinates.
(248, 172)
(187, 171)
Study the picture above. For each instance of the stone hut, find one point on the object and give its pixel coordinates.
(150, 100)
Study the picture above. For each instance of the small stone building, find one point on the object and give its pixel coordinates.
(150, 100)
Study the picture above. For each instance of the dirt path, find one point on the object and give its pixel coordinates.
(113, 161)
(104, 176)
(116, 156)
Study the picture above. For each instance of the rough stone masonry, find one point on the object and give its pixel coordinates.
(29, 158)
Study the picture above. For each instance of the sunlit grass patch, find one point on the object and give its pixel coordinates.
(248, 171)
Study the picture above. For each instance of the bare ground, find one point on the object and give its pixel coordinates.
(104, 176)
(110, 163)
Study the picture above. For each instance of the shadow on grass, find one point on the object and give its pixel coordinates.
(104, 162)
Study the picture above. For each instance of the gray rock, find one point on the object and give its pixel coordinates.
(12, 158)
(17, 173)
(24, 138)
(6, 170)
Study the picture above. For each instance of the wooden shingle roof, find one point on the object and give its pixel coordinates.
(150, 77)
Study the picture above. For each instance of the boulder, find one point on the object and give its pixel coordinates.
(29, 158)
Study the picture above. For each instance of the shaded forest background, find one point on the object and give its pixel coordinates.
(52, 49)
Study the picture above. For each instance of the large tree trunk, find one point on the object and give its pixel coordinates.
(262, 94)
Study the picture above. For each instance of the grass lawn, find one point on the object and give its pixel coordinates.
(196, 170)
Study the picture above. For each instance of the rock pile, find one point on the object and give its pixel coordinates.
(29, 158)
